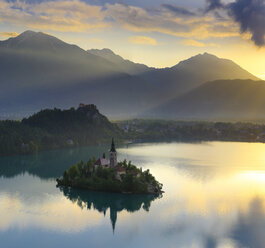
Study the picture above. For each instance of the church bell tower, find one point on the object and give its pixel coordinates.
(113, 155)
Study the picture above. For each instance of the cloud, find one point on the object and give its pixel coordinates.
(213, 5)
(143, 40)
(249, 14)
(178, 10)
(79, 16)
(195, 43)
(73, 16)
(8, 34)
(141, 20)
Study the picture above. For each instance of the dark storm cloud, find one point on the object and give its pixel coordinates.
(213, 5)
(219, 17)
(178, 10)
(249, 14)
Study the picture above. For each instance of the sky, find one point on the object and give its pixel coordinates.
(158, 33)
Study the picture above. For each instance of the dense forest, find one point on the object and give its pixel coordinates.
(55, 128)
(133, 180)
(139, 130)
(52, 129)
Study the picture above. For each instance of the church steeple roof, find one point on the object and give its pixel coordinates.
(113, 218)
(112, 148)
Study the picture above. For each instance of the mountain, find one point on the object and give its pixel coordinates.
(193, 72)
(217, 100)
(38, 41)
(35, 53)
(40, 71)
(124, 65)
(33, 62)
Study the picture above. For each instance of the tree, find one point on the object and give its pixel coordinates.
(73, 171)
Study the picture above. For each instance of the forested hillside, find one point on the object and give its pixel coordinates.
(56, 128)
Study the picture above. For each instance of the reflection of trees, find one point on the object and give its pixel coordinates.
(102, 201)
(50, 164)
(250, 228)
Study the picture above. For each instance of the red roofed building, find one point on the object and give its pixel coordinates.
(81, 105)
(119, 171)
(112, 163)
(102, 162)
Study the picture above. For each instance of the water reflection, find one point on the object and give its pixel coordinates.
(114, 202)
(214, 198)
(204, 161)
(49, 164)
(250, 228)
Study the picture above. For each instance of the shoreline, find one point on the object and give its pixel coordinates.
(105, 191)
(133, 143)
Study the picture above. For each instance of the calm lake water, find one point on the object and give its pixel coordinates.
(214, 197)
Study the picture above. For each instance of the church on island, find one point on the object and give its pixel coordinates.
(109, 175)
(112, 162)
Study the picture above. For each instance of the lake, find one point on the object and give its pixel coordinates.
(214, 197)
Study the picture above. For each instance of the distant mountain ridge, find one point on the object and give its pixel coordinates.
(40, 71)
(195, 71)
(36, 41)
(125, 65)
(217, 100)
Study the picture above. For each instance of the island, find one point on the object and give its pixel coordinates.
(109, 175)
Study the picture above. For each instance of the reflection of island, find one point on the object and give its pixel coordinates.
(102, 201)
